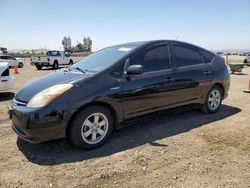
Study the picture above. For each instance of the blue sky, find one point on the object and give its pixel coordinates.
(213, 24)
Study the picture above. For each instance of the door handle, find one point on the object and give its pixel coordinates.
(207, 72)
(169, 79)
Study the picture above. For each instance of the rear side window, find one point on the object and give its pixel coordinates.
(206, 55)
(3, 57)
(6, 73)
(154, 59)
(186, 56)
(11, 58)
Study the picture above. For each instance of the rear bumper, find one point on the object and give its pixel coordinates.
(36, 126)
(40, 63)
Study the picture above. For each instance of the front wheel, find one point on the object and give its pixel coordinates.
(91, 127)
(71, 62)
(213, 100)
(20, 65)
(55, 65)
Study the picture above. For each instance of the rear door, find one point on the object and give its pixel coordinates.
(148, 92)
(190, 74)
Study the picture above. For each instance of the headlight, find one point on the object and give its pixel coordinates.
(44, 97)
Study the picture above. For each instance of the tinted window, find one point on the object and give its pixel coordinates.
(3, 57)
(6, 73)
(206, 55)
(186, 56)
(153, 59)
(11, 58)
(53, 53)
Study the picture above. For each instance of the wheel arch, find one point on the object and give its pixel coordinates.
(98, 103)
(220, 86)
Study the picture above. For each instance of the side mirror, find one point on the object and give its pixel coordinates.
(134, 70)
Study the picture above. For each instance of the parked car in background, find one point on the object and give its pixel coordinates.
(219, 53)
(10, 60)
(52, 58)
(115, 85)
(20, 61)
(6, 81)
(247, 60)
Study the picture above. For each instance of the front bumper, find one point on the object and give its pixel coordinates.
(36, 126)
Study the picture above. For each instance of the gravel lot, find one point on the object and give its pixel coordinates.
(188, 149)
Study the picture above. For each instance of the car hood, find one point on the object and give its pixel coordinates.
(38, 84)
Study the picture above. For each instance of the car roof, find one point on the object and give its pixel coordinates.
(152, 42)
(142, 44)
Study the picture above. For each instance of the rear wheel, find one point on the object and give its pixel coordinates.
(213, 100)
(20, 65)
(39, 67)
(55, 65)
(91, 127)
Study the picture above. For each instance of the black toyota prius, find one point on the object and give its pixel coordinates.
(89, 99)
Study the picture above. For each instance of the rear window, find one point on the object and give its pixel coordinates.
(206, 55)
(53, 53)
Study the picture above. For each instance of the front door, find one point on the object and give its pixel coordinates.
(149, 91)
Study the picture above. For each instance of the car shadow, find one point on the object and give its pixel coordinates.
(6, 96)
(239, 74)
(62, 151)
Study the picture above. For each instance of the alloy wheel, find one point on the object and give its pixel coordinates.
(214, 99)
(94, 128)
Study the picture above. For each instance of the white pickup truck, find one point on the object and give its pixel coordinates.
(53, 59)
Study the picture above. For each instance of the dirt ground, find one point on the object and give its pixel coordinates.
(188, 149)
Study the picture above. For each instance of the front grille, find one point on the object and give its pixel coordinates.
(19, 103)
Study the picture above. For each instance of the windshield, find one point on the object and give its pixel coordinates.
(102, 59)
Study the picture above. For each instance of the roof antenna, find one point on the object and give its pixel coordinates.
(177, 37)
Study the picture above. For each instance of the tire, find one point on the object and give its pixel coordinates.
(20, 65)
(212, 104)
(55, 65)
(246, 63)
(71, 62)
(85, 132)
(39, 67)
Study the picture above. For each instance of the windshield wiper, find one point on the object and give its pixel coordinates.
(78, 69)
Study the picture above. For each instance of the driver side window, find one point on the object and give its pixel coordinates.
(153, 59)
